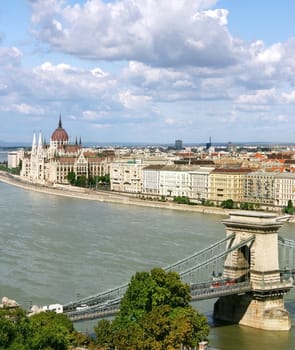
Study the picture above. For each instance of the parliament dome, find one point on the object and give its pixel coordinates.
(60, 135)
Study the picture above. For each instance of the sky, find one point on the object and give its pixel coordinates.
(148, 71)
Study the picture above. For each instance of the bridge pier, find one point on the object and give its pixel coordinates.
(258, 263)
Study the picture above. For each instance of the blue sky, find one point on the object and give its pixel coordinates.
(148, 70)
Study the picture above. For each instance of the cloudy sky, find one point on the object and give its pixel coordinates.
(148, 71)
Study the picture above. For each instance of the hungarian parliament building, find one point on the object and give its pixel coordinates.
(50, 164)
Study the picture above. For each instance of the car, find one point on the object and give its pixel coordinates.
(82, 307)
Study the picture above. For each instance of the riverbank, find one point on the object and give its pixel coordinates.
(111, 197)
(105, 196)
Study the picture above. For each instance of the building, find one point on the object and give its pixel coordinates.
(14, 158)
(126, 176)
(175, 180)
(284, 189)
(260, 188)
(227, 183)
(178, 145)
(50, 164)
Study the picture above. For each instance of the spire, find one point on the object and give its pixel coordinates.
(59, 122)
(34, 143)
(76, 141)
(40, 145)
(80, 142)
(40, 139)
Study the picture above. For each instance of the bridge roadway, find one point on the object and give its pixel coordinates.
(198, 292)
(106, 304)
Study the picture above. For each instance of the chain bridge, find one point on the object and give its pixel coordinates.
(249, 271)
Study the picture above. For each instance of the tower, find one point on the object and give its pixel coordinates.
(258, 263)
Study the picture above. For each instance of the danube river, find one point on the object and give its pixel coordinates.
(57, 249)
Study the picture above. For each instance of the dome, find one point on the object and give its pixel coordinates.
(60, 135)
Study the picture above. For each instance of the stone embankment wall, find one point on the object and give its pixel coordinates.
(108, 196)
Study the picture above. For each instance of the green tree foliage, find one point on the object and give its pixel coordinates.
(154, 314)
(104, 332)
(228, 204)
(289, 209)
(49, 330)
(71, 177)
(46, 330)
(247, 206)
(13, 328)
(182, 200)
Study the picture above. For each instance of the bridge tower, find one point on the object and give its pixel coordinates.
(258, 263)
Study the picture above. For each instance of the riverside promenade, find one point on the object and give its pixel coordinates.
(105, 196)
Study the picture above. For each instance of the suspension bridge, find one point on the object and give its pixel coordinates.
(252, 262)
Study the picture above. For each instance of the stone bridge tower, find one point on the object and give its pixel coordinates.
(257, 262)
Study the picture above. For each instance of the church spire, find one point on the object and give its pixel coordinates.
(34, 143)
(40, 145)
(59, 122)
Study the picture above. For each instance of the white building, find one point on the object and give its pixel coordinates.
(176, 180)
(284, 189)
(13, 158)
(199, 183)
(126, 176)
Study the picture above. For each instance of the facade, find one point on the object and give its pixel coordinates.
(199, 183)
(284, 189)
(260, 188)
(50, 164)
(226, 183)
(151, 179)
(126, 176)
(176, 180)
(13, 158)
(178, 144)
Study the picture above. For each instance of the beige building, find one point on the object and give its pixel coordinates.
(227, 183)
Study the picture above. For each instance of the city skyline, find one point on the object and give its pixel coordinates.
(148, 71)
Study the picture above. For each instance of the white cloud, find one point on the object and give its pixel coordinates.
(289, 97)
(166, 32)
(260, 97)
(22, 108)
(132, 101)
(272, 54)
(10, 56)
(219, 14)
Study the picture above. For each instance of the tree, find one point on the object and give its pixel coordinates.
(14, 327)
(46, 330)
(182, 200)
(155, 314)
(81, 181)
(246, 206)
(71, 177)
(289, 209)
(228, 204)
(49, 330)
(104, 332)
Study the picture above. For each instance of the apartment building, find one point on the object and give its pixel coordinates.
(284, 189)
(260, 188)
(227, 183)
(199, 183)
(126, 176)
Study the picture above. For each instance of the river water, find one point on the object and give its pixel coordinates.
(57, 249)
